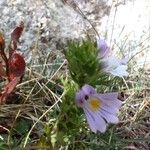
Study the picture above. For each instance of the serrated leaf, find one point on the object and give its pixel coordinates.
(83, 62)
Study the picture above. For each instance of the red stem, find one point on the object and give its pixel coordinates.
(6, 63)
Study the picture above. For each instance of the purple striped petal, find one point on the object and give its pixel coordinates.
(111, 110)
(110, 99)
(100, 123)
(95, 121)
(90, 120)
(110, 118)
(88, 90)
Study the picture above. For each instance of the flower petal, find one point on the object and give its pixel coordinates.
(110, 118)
(110, 99)
(91, 120)
(120, 71)
(79, 98)
(115, 66)
(111, 62)
(95, 121)
(124, 61)
(100, 122)
(103, 48)
(87, 89)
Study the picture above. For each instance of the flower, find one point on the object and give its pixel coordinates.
(111, 64)
(103, 48)
(100, 109)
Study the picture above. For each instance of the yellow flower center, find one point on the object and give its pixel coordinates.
(94, 103)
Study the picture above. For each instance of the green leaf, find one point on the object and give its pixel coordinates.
(84, 64)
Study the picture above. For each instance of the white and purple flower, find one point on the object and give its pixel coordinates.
(100, 109)
(110, 63)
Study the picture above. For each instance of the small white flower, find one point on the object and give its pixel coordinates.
(115, 66)
(111, 64)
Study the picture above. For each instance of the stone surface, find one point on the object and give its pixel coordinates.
(49, 23)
